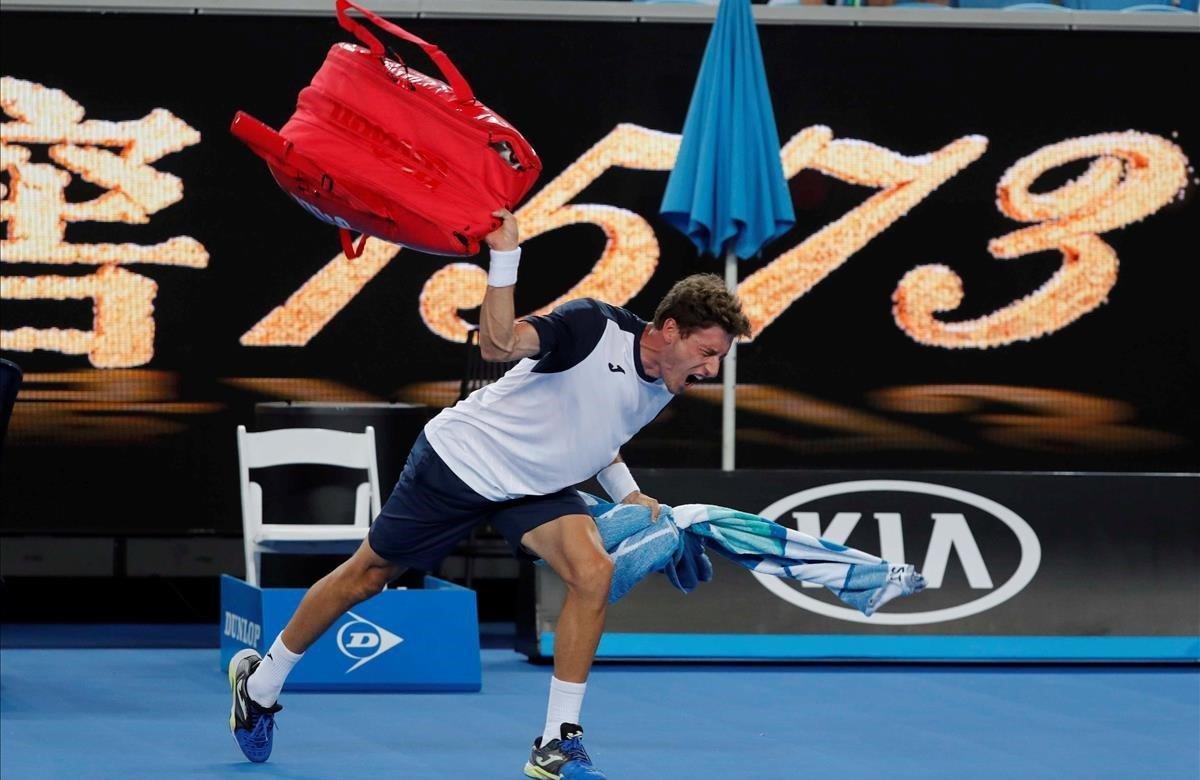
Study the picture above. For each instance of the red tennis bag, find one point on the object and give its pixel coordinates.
(381, 149)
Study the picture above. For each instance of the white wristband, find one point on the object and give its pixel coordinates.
(502, 270)
(617, 481)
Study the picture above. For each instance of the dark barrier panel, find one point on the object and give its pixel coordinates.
(1020, 567)
(320, 494)
(156, 283)
(316, 494)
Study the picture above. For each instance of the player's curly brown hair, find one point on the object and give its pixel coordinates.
(699, 301)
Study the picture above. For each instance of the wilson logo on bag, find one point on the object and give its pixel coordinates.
(381, 149)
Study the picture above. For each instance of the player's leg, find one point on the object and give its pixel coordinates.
(357, 579)
(255, 681)
(428, 512)
(572, 547)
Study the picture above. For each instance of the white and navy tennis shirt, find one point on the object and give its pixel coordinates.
(559, 417)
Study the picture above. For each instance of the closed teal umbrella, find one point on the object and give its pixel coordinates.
(727, 192)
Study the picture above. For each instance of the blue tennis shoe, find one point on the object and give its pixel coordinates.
(562, 759)
(253, 725)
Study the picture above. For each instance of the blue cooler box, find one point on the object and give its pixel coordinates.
(399, 640)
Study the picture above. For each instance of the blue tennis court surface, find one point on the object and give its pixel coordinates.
(162, 713)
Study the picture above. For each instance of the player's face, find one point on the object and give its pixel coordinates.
(695, 357)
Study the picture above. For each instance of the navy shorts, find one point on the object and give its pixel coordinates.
(431, 510)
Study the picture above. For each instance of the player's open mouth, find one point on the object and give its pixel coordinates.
(691, 380)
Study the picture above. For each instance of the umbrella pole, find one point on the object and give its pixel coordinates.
(729, 384)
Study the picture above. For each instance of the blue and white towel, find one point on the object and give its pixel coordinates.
(676, 545)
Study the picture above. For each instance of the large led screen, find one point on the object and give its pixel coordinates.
(994, 262)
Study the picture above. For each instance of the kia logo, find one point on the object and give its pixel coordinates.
(950, 532)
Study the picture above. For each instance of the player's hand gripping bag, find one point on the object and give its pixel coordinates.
(381, 149)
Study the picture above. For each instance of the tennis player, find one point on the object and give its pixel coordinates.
(590, 376)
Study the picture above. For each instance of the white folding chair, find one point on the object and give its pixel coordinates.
(303, 446)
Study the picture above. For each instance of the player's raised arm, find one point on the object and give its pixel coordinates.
(501, 337)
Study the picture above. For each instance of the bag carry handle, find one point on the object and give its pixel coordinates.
(348, 248)
(462, 90)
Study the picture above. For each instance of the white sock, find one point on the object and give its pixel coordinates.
(267, 681)
(566, 700)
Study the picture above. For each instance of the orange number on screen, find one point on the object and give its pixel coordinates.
(1134, 175)
(630, 254)
(903, 182)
